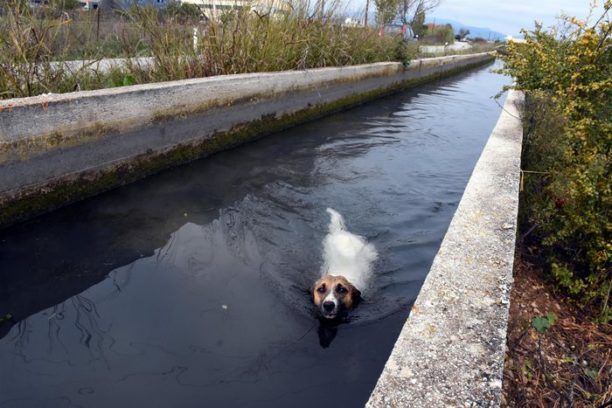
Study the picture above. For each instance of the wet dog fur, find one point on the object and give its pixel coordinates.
(346, 269)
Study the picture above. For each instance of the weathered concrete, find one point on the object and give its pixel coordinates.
(443, 49)
(450, 352)
(55, 149)
(104, 65)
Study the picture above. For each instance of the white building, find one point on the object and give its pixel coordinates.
(214, 8)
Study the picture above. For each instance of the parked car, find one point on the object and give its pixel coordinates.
(398, 28)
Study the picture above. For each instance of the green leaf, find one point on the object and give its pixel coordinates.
(527, 369)
(543, 323)
(128, 80)
(592, 374)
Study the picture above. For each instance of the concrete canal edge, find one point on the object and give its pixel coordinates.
(56, 149)
(451, 349)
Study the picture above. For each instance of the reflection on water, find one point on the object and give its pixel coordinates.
(190, 288)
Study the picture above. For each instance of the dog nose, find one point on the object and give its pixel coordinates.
(329, 306)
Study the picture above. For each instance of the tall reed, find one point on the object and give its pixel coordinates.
(284, 35)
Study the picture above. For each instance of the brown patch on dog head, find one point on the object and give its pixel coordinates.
(345, 293)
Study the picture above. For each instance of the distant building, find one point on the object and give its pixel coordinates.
(351, 22)
(214, 8)
(517, 40)
(118, 4)
(210, 8)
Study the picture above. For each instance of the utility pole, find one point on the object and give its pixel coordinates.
(365, 23)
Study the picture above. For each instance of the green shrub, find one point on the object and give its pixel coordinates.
(439, 34)
(567, 75)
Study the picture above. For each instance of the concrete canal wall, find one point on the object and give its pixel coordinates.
(55, 149)
(450, 352)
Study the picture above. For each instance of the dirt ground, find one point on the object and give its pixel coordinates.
(568, 364)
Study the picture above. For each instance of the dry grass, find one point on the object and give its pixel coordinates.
(568, 365)
(31, 40)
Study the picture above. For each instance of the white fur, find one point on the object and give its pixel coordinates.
(331, 297)
(347, 254)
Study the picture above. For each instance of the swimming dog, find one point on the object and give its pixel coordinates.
(346, 269)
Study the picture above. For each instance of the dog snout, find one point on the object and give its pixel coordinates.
(329, 306)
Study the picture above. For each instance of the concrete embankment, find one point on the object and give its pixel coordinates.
(450, 352)
(55, 149)
(443, 49)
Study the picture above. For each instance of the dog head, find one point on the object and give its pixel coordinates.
(334, 295)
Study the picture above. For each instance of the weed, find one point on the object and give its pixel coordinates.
(34, 41)
(567, 74)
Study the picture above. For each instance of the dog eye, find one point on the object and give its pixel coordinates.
(341, 289)
(321, 289)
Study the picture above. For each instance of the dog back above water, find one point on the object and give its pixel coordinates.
(346, 271)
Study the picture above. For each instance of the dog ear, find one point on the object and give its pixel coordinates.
(356, 295)
(313, 287)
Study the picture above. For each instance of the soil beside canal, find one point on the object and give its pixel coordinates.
(569, 364)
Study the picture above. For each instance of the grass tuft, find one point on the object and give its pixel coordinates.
(34, 41)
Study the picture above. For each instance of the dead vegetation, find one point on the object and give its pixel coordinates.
(567, 361)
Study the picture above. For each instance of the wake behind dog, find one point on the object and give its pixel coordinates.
(346, 271)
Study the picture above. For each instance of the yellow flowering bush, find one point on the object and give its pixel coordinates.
(567, 76)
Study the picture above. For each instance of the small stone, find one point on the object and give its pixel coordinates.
(507, 226)
(224, 307)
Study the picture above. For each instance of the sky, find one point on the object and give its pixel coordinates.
(509, 16)
(506, 16)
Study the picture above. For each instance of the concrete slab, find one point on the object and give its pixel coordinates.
(56, 149)
(450, 352)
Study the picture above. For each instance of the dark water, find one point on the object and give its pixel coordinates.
(188, 289)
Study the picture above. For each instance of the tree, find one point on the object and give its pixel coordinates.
(411, 10)
(418, 23)
(184, 12)
(463, 33)
(386, 10)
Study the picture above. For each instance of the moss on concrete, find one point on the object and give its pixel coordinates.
(57, 193)
(65, 138)
(28, 147)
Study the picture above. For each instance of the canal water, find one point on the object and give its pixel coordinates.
(190, 288)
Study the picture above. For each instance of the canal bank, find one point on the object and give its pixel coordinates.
(84, 143)
(451, 349)
(191, 285)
